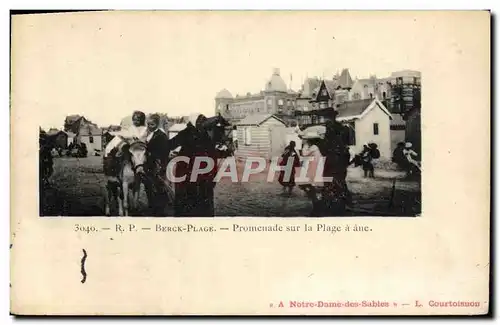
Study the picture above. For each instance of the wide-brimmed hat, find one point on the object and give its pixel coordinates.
(310, 135)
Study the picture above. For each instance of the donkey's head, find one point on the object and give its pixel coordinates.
(136, 153)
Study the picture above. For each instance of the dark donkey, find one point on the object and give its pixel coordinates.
(130, 175)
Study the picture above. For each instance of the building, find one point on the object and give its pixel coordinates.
(260, 135)
(275, 99)
(371, 88)
(59, 138)
(91, 135)
(324, 98)
(83, 131)
(413, 132)
(400, 94)
(369, 122)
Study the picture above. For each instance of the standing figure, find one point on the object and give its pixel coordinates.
(314, 185)
(398, 157)
(289, 154)
(367, 162)
(156, 165)
(413, 165)
(194, 197)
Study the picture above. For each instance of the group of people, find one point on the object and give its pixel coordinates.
(191, 198)
(366, 158)
(325, 184)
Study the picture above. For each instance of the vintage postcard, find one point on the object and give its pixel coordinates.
(250, 163)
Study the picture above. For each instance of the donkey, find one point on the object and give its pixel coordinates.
(130, 176)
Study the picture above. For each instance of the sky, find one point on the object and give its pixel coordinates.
(105, 65)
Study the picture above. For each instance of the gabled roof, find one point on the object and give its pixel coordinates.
(53, 131)
(331, 86)
(357, 109)
(345, 80)
(70, 119)
(90, 129)
(258, 119)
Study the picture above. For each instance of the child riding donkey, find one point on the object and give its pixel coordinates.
(124, 161)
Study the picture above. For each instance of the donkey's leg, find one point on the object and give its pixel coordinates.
(119, 198)
(136, 190)
(107, 198)
(125, 198)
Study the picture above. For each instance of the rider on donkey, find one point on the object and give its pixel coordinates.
(137, 132)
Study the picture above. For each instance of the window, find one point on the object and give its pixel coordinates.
(356, 96)
(91, 139)
(371, 95)
(384, 95)
(247, 136)
(280, 102)
(375, 128)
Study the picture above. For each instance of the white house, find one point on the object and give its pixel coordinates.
(261, 135)
(370, 121)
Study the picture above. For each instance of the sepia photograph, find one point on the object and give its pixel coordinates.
(326, 129)
(250, 162)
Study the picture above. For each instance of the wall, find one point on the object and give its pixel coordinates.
(413, 130)
(91, 146)
(364, 132)
(261, 143)
(397, 135)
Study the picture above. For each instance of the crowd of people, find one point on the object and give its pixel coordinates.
(326, 185)
(192, 198)
(331, 149)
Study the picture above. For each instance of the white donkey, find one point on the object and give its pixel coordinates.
(130, 176)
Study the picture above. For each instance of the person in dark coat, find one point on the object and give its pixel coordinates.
(156, 165)
(335, 150)
(398, 156)
(289, 153)
(194, 198)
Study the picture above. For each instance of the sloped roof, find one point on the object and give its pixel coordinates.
(345, 80)
(90, 129)
(353, 108)
(258, 119)
(310, 84)
(70, 119)
(331, 86)
(53, 131)
(224, 94)
(356, 108)
(276, 83)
